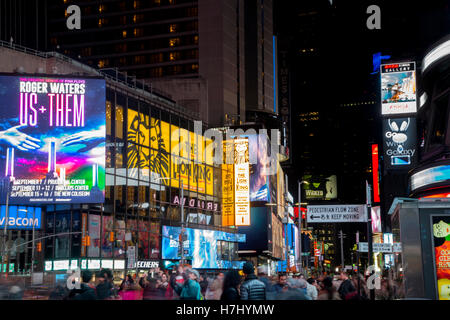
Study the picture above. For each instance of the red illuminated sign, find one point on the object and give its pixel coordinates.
(303, 212)
(376, 184)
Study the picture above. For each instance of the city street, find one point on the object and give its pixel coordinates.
(223, 151)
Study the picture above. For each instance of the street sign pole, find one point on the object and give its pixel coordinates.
(300, 227)
(369, 234)
(357, 263)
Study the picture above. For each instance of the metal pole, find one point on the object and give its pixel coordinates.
(342, 249)
(182, 222)
(357, 263)
(300, 227)
(369, 234)
(32, 248)
(5, 249)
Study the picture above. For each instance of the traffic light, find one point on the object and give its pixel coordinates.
(39, 246)
(111, 236)
(88, 241)
(83, 241)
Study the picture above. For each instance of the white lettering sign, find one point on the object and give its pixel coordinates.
(336, 213)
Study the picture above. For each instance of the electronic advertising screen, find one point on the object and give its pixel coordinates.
(399, 143)
(201, 246)
(441, 241)
(398, 88)
(52, 139)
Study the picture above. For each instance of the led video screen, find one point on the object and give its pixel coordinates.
(52, 139)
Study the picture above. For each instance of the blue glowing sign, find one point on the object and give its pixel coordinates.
(21, 218)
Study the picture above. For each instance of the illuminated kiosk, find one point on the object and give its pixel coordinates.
(96, 193)
(9, 174)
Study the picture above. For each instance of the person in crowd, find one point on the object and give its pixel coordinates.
(150, 290)
(130, 290)
(293, 290)
(203, 284)
(214, 290)
(105, 287)
(252, 288)
(163, 285)
(328, 291)
(311, 289)
(231, 285)
(86, 291)
(190, 289)
(281, 284)
(16, 290)
(59, 293)
(346, 287)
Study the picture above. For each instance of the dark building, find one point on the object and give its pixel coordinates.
(213, 57)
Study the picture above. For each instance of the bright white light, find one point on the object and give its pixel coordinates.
(423, 99)
(436, 54)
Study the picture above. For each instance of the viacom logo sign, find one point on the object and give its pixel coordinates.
(399, 142)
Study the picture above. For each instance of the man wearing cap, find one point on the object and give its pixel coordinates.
(252, 288)
(190, 290)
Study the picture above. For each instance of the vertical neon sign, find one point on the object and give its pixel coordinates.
(376, 184)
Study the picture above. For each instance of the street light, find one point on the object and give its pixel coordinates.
(300, 222)
(182, 214)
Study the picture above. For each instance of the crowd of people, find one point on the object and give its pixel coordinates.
(184, 283)
(188, 284)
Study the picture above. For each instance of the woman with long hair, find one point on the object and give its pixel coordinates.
(231, 285)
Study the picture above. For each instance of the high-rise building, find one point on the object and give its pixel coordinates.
(213, 57)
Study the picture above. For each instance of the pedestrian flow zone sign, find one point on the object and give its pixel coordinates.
(337, 213)
(381, 247)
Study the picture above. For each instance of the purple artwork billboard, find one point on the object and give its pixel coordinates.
(52, 139)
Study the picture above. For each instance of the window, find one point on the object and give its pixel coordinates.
(101, 8)
(101, 22)
(192, 12)
(139, 59)
(174, 56)
(174, 42)
(136, 4)
(138, 32)
(172, 28)
(124, 34)
(156, 72)
(123, 20)
(194, 67)
(196, 39)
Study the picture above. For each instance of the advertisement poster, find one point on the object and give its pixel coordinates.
(94, 234)
(201, 246)
(259, 178)
(227, 188)
(62, 225)
(119, 245)
(399, 143)
(241, 182)
(52, 139)
(168, 142)
(398, 88)
(144, 235)
(441, 240)
(320, 187)
(155, 244)
(107, 228)
(376, 219)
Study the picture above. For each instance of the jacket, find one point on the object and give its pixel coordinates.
(311, 291)
(85, 292)
(190, 290)
(104, 290)
(253, 289)
(230, 294)
(345, 288)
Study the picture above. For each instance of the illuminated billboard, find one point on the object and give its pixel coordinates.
(159, 148)
(320, 187)
(399, 143)
(241, 182)
(201, 246)
(259, 178)
(398, 88)
(21, 218)
(441, 241)
(52, 139)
